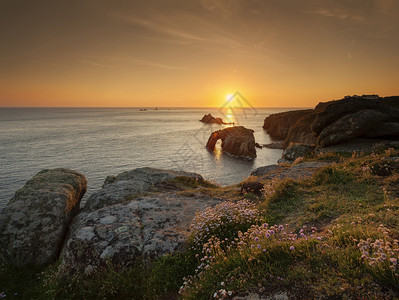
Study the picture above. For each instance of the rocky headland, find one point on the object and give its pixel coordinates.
(338, 121)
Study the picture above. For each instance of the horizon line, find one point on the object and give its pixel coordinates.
(149, 107)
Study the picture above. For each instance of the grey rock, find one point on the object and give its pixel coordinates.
(34, 222)
(301, 170)
(261, 171)
(130, 184)
(297, 150)
(147, 226)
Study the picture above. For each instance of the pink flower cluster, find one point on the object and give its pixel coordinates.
(225, 213)
(381, 252)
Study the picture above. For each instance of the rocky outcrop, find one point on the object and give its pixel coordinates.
(275, 145)
(301, 170)
(383, 130)
(297, 150)
(146, 226)
(136, 226)
(262, 171)
(237, 141)
(349, 127)
(339, 121)
(300, 132)
(35, 221)
(332, 111)
(209, 119)
(278, 125)
(358, 145)
(127, 185)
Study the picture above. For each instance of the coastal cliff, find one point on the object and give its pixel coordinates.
(338, 121)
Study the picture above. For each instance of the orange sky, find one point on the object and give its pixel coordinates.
(176, 53)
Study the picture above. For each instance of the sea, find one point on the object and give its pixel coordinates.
(107, 141)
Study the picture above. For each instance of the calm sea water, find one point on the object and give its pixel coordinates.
(103, 141)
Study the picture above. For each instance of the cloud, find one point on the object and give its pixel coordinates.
(153, 64)
(160, 27)
(337, 13)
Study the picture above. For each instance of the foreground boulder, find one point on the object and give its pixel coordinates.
(35, 221)
(126, 185)
(237, 141)
(136, 214)
(209, 119)
(147, 226)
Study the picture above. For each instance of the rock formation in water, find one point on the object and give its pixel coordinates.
(338, 121)
(35, 221)
(237, 141)
(209, 119)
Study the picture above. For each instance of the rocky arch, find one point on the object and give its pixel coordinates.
(238, 141)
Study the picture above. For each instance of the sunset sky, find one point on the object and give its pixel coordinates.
(177, 53)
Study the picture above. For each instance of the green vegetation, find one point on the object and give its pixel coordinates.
(335, 235)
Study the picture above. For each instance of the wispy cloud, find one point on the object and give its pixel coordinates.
(337, 13)
(159, 27)
(153, 64)
(96, 64)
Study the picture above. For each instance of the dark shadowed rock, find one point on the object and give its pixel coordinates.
(278, 125)
(300, 132)
(261, 171)
(35, 221)
(254, 187)
(130, 184)
(386, 130)
(391, 100)
(237, 141)
(329, 112)
(275, 145)
(209, 119)
(358, 145)
(146, 226)
(297, 150)
(350, 126)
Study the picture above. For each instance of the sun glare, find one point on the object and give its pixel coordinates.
(229, 97)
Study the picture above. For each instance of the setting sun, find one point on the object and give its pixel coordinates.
(229, 97)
